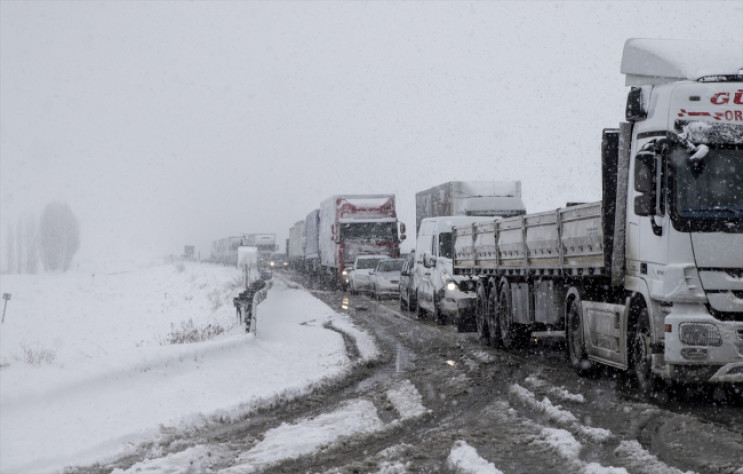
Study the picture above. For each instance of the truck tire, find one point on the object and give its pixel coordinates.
(437, 317)
(481, 315)
(419, 312)
(576, 347)
(508, 336)
(640, 355)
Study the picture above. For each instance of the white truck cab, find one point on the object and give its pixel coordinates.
(437, 289)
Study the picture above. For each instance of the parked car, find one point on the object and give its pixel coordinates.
(407, 284)
(359, 279)
(385, 279)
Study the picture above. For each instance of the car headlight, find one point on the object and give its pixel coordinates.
(272, 263)
(345, 272)
(448, 281)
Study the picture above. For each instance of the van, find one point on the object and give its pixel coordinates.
(437, 289)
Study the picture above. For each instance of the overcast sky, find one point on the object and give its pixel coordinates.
(171, 122)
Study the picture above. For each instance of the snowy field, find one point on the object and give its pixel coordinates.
(89, 367)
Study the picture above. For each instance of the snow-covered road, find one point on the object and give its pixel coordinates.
(314, 391)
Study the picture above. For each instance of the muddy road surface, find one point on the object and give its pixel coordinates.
(436, 390)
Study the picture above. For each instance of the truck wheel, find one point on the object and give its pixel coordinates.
(437, 317)
(640, 355)
(419, 312)
(576, 346)
(503, 314)
(483, 330)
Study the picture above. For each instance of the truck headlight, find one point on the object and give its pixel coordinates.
(451, 286)
(700, 334)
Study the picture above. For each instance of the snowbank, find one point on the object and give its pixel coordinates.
(107, 376)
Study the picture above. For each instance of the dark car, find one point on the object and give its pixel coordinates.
(407, 288)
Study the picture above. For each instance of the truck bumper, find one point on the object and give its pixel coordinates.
(700, 348)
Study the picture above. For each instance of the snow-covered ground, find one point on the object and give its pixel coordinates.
(89, 370)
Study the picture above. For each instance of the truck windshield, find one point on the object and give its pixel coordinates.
(711, 188)
(707, 196)
(445, 244)
(367, 231)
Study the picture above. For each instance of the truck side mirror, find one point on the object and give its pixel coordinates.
(645, 183)
(429, 261)
(402, 231)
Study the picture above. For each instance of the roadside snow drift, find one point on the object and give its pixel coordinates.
(89, 367)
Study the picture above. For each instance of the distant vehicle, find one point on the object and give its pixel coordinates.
(385, 279)
(278, 261)
(295, 250)
(224, 251)
(469, 198)
(266, 244)
(406, 286)
(312, 243)
(358, 279)
(438, 291)
(351, 225)
(649, 279)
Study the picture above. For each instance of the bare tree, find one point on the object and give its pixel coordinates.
(19, 247)
(59, 236)
(31, 244)
(10, 251)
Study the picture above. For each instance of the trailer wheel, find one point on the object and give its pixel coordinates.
(640, 355)
(481, 314)
(576, 346)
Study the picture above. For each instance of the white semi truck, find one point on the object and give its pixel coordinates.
(650, 278)
(469, 198)
(265, 243)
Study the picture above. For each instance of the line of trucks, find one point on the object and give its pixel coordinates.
(225, 250)
(648, 280)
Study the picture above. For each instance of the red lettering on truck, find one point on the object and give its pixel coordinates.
(722, 98)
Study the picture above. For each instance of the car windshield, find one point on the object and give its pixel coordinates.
(390, 266)
(367, 263)
(445, 244)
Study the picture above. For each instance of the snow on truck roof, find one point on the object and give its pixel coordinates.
(655, 61)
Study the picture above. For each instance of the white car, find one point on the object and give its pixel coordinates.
(360, 280)
(385, 279)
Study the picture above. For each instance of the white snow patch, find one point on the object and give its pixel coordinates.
(565, 444)
(290, 441)
(464, 459)
(561, 441)
(639, 458)
(407, 400)
(558, 392)
(483, 357)
(195, 459)
(554, 413)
